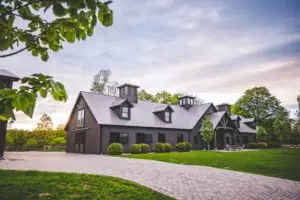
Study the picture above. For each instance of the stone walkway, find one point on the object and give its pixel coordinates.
(179, 181)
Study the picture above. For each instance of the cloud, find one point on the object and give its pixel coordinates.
(210, 48)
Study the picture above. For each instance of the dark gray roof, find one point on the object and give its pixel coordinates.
(128, 84)
(243, 127)
(163, 108)
(142, 113)
(118, 102)
(216, 117)
(8, 74)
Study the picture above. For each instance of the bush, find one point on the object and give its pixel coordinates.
(160, 147)
(136, 148)
(257, 145)
(274, 145)
(32, 143)
(168, 147)
(115, 149)
(183, 146)
(145, 148)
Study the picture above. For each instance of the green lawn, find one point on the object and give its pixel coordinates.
(283, 163)
(48, 185)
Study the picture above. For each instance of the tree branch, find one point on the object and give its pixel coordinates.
(16, 8)
(16, 52)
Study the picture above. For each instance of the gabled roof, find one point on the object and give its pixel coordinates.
(163, 108)
(8, 74)
(119, 102)
(216, 117)
(243, 127)
(141, 114)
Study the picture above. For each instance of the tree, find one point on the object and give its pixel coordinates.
(143, 95)
(45, 122)
(73, 20)
(258, 103)
(282, 128)
(261, 134)
(101, 79)
(207, 131)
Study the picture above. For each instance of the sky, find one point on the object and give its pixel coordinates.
(215, 49)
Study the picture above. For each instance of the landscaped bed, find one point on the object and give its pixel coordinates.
(283, 163)
(48, 185)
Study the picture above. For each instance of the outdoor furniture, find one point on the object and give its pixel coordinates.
(227, 147)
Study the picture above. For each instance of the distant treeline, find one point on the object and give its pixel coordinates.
(47, 140)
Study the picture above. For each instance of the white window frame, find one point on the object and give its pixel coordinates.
(80, 118)
(167, 116)
(125, 114)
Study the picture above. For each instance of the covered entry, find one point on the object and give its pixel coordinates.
(80, 142)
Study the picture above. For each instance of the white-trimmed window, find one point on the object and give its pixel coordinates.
(125, 112)
(80, 118)
(167, 116)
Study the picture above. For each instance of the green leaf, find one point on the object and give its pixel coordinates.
(70, 36)
(91, 4)
(108, 19)
(59, 10)
(90, 32)
(73, 13)
(43, 93)
(51, 34)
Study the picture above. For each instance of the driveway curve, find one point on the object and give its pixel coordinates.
(179, 181)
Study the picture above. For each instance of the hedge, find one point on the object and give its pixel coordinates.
(183, 146)
(115, 149)
(257, 145)
(163, 147)
(136, 148)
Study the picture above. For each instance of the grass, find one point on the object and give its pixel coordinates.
(48, 185)
(282, 163)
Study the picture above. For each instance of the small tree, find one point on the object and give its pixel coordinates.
(101, 79)
(261, 133)
(45, 122)
(282, 129)
(207, 131)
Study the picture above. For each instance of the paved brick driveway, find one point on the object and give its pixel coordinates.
(179, 181)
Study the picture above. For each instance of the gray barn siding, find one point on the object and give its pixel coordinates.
(171, 135)
(92, 139)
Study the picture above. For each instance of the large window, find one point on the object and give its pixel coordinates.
(125, 112)
(124, 138)
(117, 137)
(161, 138)
(179, 137)
(245, 139)
(144, 138)
(167, 116)
(80, 118)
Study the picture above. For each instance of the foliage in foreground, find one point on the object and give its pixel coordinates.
(16, 185)
(283, 163)
(70, 20)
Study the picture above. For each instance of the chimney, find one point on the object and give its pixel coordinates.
(129, 91)
(225, 107)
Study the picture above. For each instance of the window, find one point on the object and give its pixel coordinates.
(196, 139)
(126, 90)
(114, 137)
(124, 138)
(143, 138)
(125, 112)
(180, 102)
(167, 117)
(189, 101)
(80, 118)
(161, 138)
(179, 138)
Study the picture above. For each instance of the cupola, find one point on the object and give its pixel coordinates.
(129, 91)
(186, 101)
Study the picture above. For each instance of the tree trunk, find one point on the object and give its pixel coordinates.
(208, 146)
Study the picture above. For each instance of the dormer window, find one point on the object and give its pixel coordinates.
(187, 101)
(125, 112)
(167, 116)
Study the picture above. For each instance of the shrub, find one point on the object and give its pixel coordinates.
(168, 147)
(32, 143)
(257, 145)
(115, 149)
(136, 148)
(145, 148)
(274, 145)
(160, 147)
(183, 146)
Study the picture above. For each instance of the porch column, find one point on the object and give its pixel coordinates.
(216, 148)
